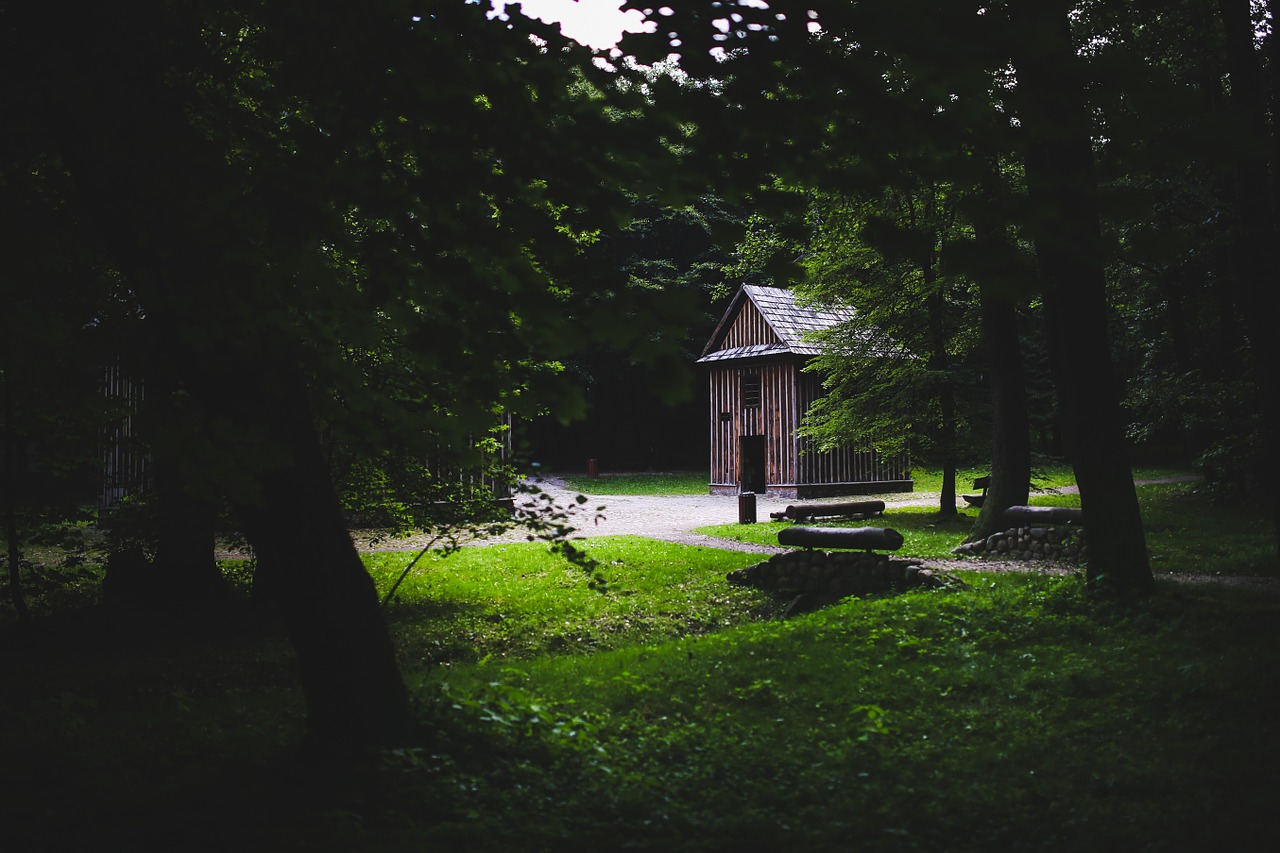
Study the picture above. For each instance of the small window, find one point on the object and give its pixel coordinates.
(751, 390)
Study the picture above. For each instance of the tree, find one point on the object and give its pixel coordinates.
(640, 412)
(1062, 189)
(1255, 193)
(276, 186)
(895, 370)
(948, 79)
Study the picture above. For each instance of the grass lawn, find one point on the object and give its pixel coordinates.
(675, 712)
(927, 481)
(670, 483)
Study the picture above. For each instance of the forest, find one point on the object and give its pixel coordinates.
(275, 271)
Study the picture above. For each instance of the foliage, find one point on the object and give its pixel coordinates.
(420, 274)
(1021, 708)
(893, 374)
(640, 396)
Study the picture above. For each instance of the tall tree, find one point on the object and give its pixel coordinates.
(899, 364)
(1255, 191)
(275, 185)
(1062, 189)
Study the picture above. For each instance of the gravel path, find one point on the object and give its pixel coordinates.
(674, 518)
(670, 518)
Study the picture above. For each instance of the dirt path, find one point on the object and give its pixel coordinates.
(675, 518)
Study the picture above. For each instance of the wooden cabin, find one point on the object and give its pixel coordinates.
(759, 393)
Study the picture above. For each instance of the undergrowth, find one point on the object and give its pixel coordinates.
(671, 711)
(1019, 714)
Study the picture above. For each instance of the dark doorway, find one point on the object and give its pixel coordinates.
(751, 463)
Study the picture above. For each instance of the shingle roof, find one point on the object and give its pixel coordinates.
(790, 322)
(755, 351)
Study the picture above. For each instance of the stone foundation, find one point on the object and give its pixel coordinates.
(1062, 544)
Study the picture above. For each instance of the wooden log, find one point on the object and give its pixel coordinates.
(1045, 514)
(804, 512)
(862, 538)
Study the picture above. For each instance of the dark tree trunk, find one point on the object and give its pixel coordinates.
(1063, 187)
(940, 365)
(1010, 424)
(184, 568)
(309, 570)
(9, 491)
(153, 183)
(1252, 250)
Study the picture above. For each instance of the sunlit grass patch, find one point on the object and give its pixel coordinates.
(518, 600)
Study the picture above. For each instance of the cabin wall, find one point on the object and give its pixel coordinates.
(792, 469)
(749, 329)
(126, 465)
(774, 419)
(844, 470)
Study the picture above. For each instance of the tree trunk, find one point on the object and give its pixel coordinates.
(309, 570)
(1253, 248)
(184, 568)
(939, 365)
(155, 185)
(1062, 188)
(9, 490)
(1010, 424)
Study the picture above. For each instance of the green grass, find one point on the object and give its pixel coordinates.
(1045, 478)
(924, 533)
(1185, 532)
(1018, 715)
(673, 483)
(517, 601)
(927, 481)
(671, 712)
(1190, 534)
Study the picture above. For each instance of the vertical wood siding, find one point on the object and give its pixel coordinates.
(847, 464)
(785, 394)
(125, 465)
(774, 418)
(749, 328)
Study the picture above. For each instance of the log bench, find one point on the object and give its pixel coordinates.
(808, 512)
(1044, 515)
(860, 538)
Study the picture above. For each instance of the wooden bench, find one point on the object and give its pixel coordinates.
(851, 509)
(860, 538)
(980, 483)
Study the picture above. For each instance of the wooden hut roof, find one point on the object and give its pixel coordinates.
(790, 324)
